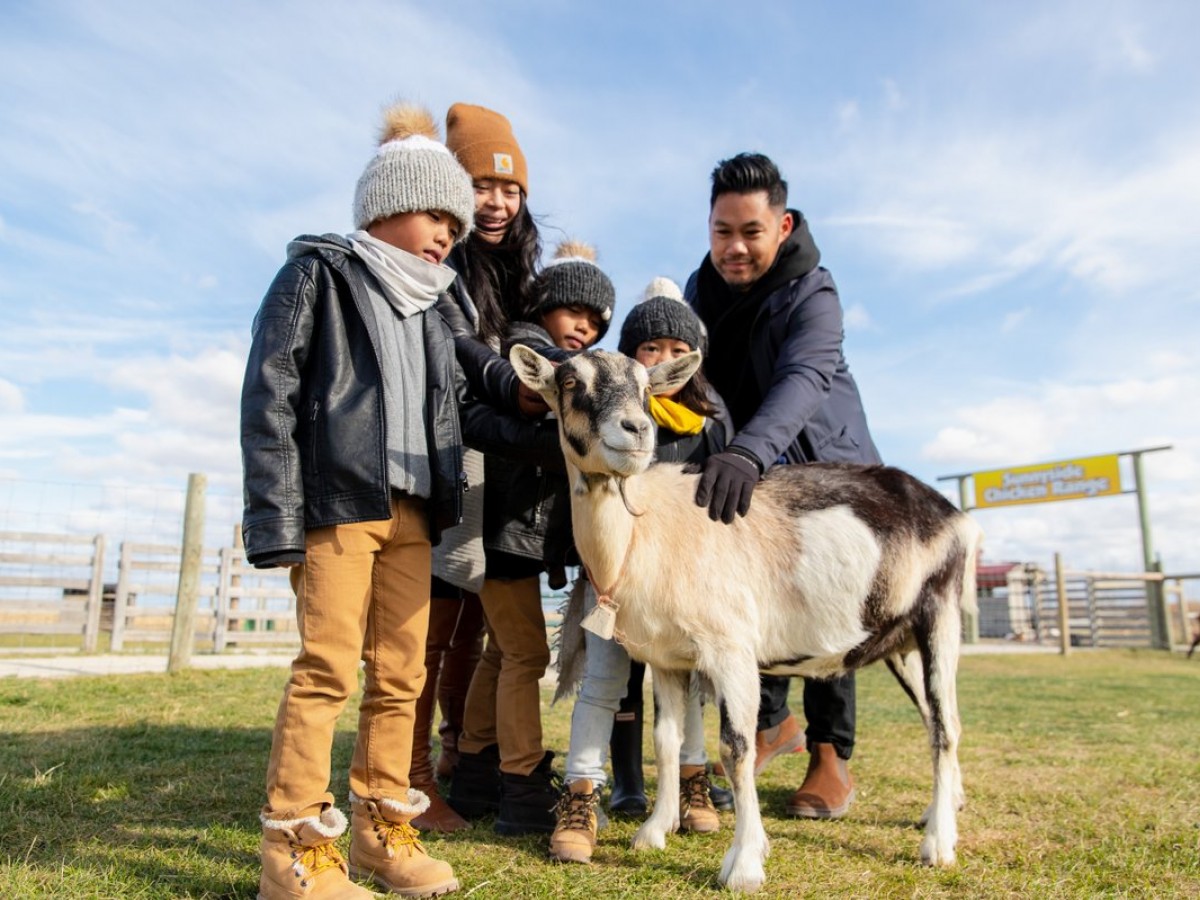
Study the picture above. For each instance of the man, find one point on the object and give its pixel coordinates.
(775, 354)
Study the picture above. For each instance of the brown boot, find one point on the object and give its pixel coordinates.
(786, 737)
(574, 836)
(458, 665)
(386, 850)
(300, 860)
(828, 789)
(439, 816)
(696, 810)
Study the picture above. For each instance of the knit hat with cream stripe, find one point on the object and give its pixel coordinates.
(412, 171)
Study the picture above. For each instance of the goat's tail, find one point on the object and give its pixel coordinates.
(972, 538)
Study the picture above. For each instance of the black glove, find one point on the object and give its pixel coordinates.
(726, 484)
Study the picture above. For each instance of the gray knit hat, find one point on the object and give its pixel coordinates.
(572, 278)
(661, 313)
(413, 171)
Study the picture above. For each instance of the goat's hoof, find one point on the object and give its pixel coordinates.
(649, 838)
(936, 853)
(742, 873)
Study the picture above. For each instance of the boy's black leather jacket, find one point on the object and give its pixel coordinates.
(312, 426)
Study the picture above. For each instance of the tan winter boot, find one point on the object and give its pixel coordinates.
(696, 810)
(386, 850)
(828, 789)
(300, 860)
(574, 836)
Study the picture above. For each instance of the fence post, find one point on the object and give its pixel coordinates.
(95, 598)
(1064, 613)
(1160, 622)
(190, 557)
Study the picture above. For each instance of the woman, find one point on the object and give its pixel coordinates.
(495, 269)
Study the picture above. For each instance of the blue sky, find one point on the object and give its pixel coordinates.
(1007, 196)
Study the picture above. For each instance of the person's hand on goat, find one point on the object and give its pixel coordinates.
(727, 483)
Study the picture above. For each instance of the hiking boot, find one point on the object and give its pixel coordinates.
(696, 810)
(527, 802)
(628, 796)
(475, 788)
(574, 836)
(386, 850)
(786, 737)
(300, 860)
(440, 815)
(828, 789)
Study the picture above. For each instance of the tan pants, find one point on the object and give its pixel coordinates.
(504, 702)
(362, 593)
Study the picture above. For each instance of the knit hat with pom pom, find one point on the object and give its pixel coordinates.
(661, 313)
(412, 172)
(572, 278)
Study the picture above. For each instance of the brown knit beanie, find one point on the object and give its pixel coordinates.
(484, 143)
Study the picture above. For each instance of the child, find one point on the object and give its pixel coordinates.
(351, 453)
(692, 426)
(503, 767)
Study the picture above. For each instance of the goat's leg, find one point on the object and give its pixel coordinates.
(736, 684)
(940, 649)
(670, 701)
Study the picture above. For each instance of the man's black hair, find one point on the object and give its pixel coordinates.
(748, 173)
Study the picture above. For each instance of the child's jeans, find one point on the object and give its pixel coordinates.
(605, 678)
(361, 594)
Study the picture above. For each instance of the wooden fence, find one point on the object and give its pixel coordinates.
(52, 585)
(44, 591)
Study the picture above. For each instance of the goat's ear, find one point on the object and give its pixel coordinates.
(534, 370)
(675, 373)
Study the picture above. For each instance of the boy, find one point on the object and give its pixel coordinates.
(352, 455)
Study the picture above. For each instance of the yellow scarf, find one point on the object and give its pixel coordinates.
(675, 416)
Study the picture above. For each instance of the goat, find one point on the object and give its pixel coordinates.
(835, 566)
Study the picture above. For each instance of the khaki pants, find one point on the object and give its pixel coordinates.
(504, 703)
(362, 593)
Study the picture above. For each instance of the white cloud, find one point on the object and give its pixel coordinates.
(12, 400)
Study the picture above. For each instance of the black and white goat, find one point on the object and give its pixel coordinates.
(835, 566)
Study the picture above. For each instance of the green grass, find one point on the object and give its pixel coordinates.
(1082, 778)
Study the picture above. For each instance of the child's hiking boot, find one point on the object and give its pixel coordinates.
(475, 787)
(574, 836)
(300, 860)
(386, 851)
(528, 802)
(696, 810)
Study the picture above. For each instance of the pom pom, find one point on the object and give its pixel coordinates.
(663, 287)
(405, 120)
(571, 249)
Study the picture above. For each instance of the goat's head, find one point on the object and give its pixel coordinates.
(600, 399)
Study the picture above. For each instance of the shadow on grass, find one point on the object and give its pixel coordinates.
(143, 806)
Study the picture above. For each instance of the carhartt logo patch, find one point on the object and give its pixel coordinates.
(503, 163)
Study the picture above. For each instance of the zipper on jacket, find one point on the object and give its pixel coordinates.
(314, 455)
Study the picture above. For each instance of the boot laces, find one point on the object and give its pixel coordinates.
(311, 861)
(694, 792)
(577, 812)
(395, 835)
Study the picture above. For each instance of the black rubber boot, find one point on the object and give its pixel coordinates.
(628, 796)
(528, 803)
(475, 787)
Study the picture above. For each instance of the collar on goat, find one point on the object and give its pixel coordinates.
(602, 620)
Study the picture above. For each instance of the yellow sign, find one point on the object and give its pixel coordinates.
(1093, 476)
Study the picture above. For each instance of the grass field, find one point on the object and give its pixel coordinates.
(1082, 778)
